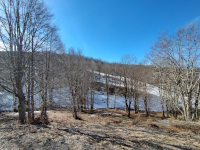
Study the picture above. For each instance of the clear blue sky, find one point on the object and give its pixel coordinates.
(108, 29)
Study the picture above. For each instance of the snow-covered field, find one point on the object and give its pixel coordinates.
(100, 102)
(61, 98)
(100, 97)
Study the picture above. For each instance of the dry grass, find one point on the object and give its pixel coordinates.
(183, 126)
(136, 119)
(117, 121)
(96, 131)
(154, 121)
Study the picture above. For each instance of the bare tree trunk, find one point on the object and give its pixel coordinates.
(82, 103)
(107, 91)
(163, 111)
(44, 105)
(46, 78)
(51, 97)
(32, 81)
(136, 103)
(91, 99)
(129, 109)
(14, 103)
(81, 98)
(146, 106)
(184, 106)
(196, 115)
(28, 95)
(126, 103)
(18, 79)
(174, 112)
(32, 101)
(115, 91)
(189, 106)
(44, 97)
(22, 106)
(126, 93)
(74, 112)
(74, 107)
(85, 101)
(59, 101)
(145, 101)
(176, 103)
(167, 108)
(107, 100)
(44, 118)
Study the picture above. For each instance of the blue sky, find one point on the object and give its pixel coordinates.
(109, 29)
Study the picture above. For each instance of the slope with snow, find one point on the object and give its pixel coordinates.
(61, 98)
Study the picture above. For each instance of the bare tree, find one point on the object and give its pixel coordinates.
(115, 67)
(126, 61)
(73, 67)
(14, 22)
(106, 70)
(52, 45)
(24, 28)
(180, 53)
(145, 76)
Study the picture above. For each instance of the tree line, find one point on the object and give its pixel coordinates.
(34, 61)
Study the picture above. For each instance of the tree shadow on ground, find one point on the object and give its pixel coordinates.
(121, 141)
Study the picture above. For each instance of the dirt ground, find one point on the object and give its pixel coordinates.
(102, 129)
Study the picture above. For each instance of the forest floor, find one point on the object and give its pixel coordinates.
(101, 129)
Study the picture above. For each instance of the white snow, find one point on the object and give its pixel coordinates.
(14, 114)
(61, 98)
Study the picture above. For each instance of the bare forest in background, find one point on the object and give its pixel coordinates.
(33, 60)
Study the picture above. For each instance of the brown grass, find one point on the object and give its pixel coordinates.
(187, 126)
(154, 125)
(110, 132)
(137, 119)
(174, 130)
(65, 118)
(117, 121)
